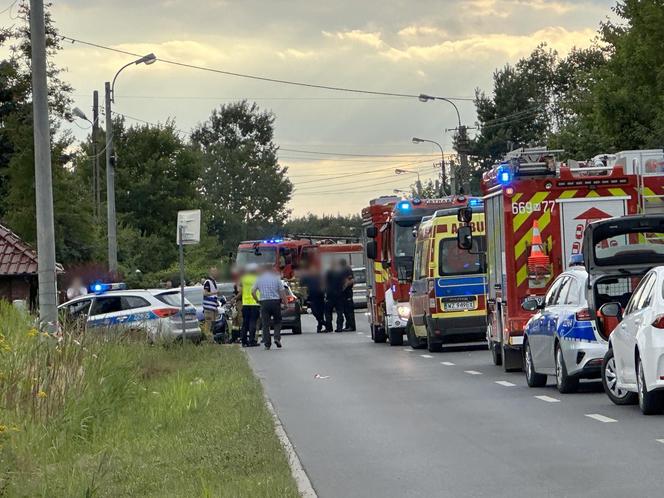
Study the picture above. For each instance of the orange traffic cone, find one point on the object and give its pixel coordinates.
(538, 261)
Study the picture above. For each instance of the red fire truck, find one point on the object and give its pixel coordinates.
(536, 211)
(389, 229)
(286, 254)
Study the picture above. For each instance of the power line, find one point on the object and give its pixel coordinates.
(261, 78)
(322, 153)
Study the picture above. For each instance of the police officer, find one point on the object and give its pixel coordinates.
(348, 305)
(316, 297)
(250, 307)
(334, 299)
(210, 301)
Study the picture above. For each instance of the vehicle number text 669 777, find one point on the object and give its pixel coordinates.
(532, 207)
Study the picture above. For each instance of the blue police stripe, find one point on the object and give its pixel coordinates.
(460, 290)
(121, 319)
(460, 281)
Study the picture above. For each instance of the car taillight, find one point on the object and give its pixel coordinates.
(291, 299)
(658, 322)
(583, 315)
(166, 312)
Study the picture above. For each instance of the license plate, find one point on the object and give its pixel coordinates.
(459, 306)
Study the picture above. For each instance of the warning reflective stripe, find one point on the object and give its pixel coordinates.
(593, 193)
(568, 194)
(521, 275)
(618, 192)
(521, 218)
(520, 247)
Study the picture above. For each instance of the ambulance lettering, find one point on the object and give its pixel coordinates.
(474, 226)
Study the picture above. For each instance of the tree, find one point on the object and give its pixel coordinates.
(243, 185)
(73, 224)
(331, 225)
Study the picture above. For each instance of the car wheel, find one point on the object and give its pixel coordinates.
(413, 340)
(396, 337)
(496, 355)
(610, 382)
(650, 402)
(565, 383)
(297, 329)
(533, 378)
(378, 334)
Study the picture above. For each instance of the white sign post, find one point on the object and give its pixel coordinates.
(189, 232)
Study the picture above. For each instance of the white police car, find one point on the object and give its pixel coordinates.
(156, 312)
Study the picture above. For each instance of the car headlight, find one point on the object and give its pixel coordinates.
(403, 311)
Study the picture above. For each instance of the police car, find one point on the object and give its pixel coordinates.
(157, 312)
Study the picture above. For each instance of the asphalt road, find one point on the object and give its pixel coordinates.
(387, 421)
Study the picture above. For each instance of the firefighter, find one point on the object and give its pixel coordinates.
(312, 281)
(250, 307)
(348, 305)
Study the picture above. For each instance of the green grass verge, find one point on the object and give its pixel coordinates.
(89, 417)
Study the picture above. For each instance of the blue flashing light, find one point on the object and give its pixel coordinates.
(273, 241)
(404, 206)
(97, 288)
(504, 176)
(474, 202)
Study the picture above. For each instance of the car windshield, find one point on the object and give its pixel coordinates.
(455, 261)
(360, 276)
(629, 248)
(259, 256)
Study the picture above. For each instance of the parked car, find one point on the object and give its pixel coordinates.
(360, 287)
(155, 312)
(634, 362)
(562, 338)
(291, 316)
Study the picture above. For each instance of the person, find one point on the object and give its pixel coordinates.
(334, 282)
(76, 289)
(250, 307)
(210, 301)
(268, 290)
(311, 281)
(348, 305)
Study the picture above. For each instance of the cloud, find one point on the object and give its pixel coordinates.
(372, 39)
(292, 53)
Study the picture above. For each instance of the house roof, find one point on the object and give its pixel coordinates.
(17, 257)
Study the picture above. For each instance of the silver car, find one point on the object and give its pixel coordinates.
(156, 312)
(360, 287)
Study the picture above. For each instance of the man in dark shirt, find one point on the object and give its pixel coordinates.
(312, 281)
(348, 305)
(334, 299)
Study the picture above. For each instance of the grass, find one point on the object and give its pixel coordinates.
(91, 416)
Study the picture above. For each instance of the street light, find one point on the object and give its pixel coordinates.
(109, 89)
(400, 171)
(442, 164)
(462, 138)
(95, 155)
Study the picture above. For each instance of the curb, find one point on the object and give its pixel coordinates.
(303, 483)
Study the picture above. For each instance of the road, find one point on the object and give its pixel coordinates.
(393, 422)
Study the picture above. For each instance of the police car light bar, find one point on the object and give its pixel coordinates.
(404, 206)
(99, 287)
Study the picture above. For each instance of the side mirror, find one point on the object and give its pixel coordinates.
(612, 310)
(531, 304)
(465, 238)
(372, 249)
(372, 233)
(465, 215)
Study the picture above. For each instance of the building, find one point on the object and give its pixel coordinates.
(18, 269)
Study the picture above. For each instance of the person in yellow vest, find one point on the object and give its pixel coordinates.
(250, 307)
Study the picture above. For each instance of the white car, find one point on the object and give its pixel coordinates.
(634, 363)
(155, 312)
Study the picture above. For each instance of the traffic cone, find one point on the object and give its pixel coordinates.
(538, 261)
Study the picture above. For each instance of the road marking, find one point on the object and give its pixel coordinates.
(408, 350)
(368, 335)
(472, 372)
(447, 363)
(548, 399)
(359, 333)
(660, 440)
(301, 478)
(426, 356)
(505, 383)
(600, 418)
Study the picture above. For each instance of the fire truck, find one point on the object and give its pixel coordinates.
(389, 226)
(286, 254)
(536, 210)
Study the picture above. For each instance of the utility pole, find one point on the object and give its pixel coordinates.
(48, 299)
(462, 148)
(110, 185)
(95, 162)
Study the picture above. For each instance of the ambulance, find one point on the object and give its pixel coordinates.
(390, 225)
(536, 211)
(448, 294)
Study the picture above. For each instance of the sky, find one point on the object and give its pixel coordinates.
(442, 47)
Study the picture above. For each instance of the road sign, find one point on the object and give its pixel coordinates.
(189, 224)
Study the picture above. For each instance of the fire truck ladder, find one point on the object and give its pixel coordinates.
(533, 159)
(649, 202)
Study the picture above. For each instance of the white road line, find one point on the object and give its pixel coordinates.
(660, 440)
(505, 383)
(408, 350)
(600, 418)
(548, 399)
(359, 333)
(447, 363)
(472, 372)
(426, 356)
(301, 479)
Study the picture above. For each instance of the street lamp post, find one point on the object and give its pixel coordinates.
(109, 90)
(95, 160)
(462, 131)
(442, 164)
(400, 171)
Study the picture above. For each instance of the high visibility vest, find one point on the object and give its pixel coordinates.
(247, 283)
